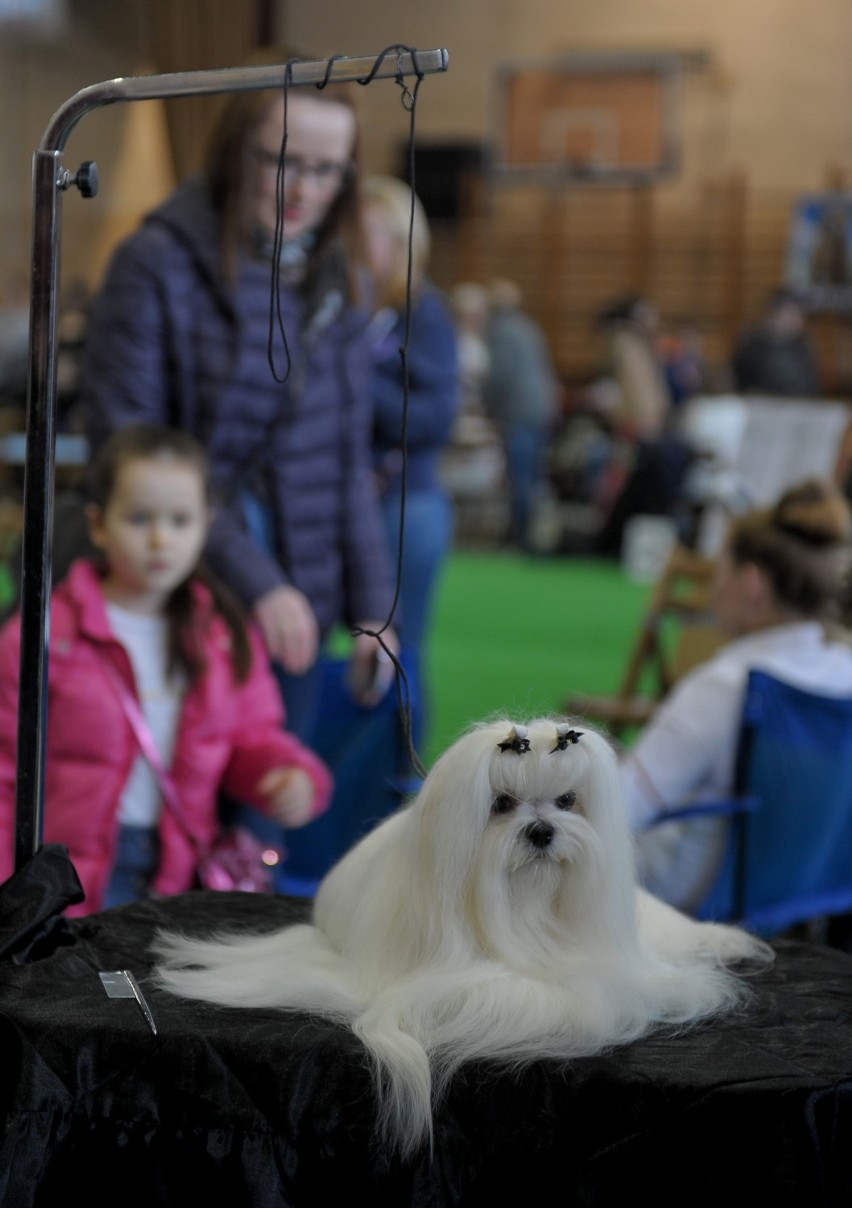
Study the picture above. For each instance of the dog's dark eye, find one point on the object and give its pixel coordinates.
(503, 804)
(566, 801)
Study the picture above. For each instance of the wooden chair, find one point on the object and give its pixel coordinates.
(658, 659)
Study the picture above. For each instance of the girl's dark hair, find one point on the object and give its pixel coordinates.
(224, 169)
(147, 442)
(802, 544)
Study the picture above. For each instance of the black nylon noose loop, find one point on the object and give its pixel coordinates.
(403, 689)
(275, 315)
(409, 103)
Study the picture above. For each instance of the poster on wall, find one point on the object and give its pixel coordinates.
(819, 251)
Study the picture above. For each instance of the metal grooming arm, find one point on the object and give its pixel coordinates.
(50, 179)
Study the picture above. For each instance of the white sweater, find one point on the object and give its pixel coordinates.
(688, 749)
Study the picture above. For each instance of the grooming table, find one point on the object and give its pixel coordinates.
(271, 1110)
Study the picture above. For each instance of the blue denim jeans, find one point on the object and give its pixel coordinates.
(525, 446)
(428, 537)
(136, 857)
(427, 542)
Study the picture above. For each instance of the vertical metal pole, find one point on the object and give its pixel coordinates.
(38, 509)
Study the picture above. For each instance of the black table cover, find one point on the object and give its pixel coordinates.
(263, 1109)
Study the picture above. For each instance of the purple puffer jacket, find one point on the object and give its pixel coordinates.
(170, 341)
(229, 736)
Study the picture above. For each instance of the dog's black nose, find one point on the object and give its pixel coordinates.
(539, 834)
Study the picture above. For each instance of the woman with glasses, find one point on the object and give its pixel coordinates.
(179, 335)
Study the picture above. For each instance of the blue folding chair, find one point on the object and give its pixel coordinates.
(788, 858)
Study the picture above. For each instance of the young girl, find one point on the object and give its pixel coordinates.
(147, 629)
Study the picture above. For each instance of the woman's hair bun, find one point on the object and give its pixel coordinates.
(816, 512)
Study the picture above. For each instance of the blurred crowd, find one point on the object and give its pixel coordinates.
(347, 417)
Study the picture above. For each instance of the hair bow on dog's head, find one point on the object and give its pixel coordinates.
(564, 736)
(516, 740)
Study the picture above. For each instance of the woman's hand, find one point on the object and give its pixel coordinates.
(371, 670)
(289, 628)
(289, 794)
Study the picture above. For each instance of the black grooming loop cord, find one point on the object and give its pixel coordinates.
(409, 103)
(403, 691)
(275, 317)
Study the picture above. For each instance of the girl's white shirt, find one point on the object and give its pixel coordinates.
(145, 638)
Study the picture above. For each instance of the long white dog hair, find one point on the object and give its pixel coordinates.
(496, 916)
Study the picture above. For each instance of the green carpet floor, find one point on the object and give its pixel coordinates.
(515, 635)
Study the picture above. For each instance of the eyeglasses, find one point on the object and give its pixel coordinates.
(325, 173)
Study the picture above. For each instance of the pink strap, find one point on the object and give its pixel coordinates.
(148, 747)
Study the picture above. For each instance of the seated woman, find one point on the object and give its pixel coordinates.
(778, 581)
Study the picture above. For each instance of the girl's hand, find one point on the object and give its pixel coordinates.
(290, 794)
(289, 628)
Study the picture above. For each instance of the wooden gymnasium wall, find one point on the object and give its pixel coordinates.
(710, 258)
(625, 219)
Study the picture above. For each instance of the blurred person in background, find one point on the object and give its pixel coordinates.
(780, 578)
(776, 356)
(648, 460)
(471, 305)
(632, 391)
(433, 399)
(521, 395)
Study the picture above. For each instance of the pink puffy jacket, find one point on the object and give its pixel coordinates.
(229, 735)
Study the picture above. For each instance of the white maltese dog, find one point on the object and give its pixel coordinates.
(496, 916)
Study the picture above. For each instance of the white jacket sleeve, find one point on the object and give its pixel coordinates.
(689, 746)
